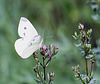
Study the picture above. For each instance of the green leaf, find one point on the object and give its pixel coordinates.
(82, 53)
(96, 16)
(78, 45)
(38, 81)
(93, 81)
(74, 37)
(89, 46)
(89, 56)
(83, 77)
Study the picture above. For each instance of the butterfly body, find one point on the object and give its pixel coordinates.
(30, 41)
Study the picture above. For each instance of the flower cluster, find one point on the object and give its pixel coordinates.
(77, 70)
(86, 52)
(84, 42)
(47, 54)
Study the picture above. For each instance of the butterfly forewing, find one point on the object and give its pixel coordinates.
(26, 29)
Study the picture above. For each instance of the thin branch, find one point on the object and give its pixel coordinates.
(86, 66)
(44, 68)
(91, 69)
(81, 78)
(48, 61)
(49, 81)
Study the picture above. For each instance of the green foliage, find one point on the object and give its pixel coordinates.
(84, 42)
(88, 55)
(95, 6)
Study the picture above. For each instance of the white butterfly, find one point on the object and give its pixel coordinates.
(30, 41)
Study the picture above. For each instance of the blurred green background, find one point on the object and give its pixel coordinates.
(59, 18)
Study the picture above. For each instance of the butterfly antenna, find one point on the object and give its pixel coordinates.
(43, 35)
(48, 37)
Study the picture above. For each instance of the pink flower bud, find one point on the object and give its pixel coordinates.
(44, 47)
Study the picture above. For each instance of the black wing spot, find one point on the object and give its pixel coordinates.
(25, 28)
(33, 39)
(30, 44)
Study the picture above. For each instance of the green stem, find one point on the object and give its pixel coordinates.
(44, 73)
(44, 68)
(91, 70)
(86, 66)
(49, 81)
(81, 78)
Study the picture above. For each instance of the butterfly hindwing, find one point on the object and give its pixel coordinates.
(20, 45)
(32, 46)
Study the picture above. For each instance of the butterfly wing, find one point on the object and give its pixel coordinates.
(27, 32)
(34, 44)
(26, 29)
(20, 45)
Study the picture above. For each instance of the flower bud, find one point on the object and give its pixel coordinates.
(77, 76)
(47, 53)
(35, 54)
(78, 67)
(55, 49)
(88, 46)
(44, 47)
(43, 50)
(35, 69)
(50, 47)
(81, 26)
(89, 32)
(75, 34)
(73, 68)
(92, 60)
(52, 74)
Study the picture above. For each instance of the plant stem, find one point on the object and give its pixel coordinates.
(86, 66)
(44, 73)
(81, 78)
(48, 61)
(91, 70)
(44, 68)
(49, 81)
